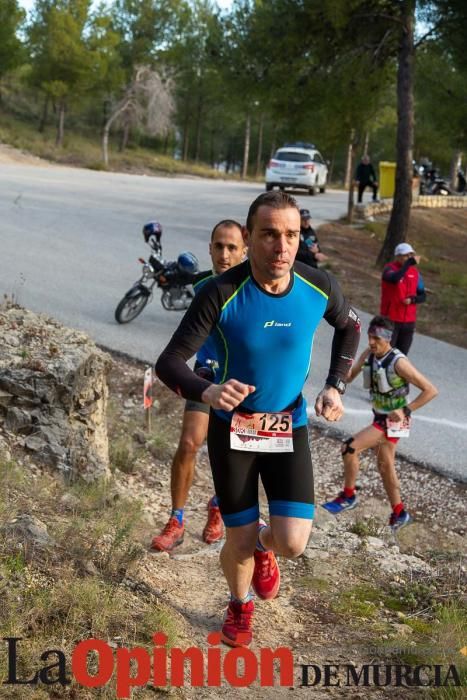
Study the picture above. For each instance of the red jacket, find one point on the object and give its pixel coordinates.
(394, 293)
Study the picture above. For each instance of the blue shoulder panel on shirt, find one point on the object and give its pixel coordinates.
(208, 351)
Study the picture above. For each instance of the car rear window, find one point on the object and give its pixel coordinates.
(293, 156)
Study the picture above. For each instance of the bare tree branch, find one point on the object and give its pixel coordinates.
(147, 102)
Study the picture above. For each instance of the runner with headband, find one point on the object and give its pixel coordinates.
(388, 374)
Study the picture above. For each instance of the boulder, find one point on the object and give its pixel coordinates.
(53, 392)
(28, 531)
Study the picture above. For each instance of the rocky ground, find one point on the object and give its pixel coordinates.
(347, 558)
(358, 595)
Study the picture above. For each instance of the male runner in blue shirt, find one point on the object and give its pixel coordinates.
(262, 316)
(226, 249)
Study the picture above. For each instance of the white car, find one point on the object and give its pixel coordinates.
(297, 166)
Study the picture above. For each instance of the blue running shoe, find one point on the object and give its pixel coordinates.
(396, 522)
(341, 503)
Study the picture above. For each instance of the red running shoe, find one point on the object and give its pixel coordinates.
(214, 528)
(266, 575)
(170, 537)
(236, 630)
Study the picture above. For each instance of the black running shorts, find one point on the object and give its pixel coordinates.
(287, 477)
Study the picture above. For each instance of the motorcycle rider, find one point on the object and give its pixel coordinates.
(226, 249)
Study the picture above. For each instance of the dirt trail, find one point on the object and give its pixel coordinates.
(309, 615)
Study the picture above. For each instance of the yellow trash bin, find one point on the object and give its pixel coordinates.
(387, 179)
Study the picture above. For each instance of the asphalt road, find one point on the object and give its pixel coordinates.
(70, 240)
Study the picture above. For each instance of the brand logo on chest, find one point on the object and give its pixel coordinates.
(277, 324)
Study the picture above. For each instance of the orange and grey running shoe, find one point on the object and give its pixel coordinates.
(266, 574)
(236, 630)
(170, 537)
(214, 528)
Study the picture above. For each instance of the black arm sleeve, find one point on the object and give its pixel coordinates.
(395, 276)
(196, 325)
(347, 327)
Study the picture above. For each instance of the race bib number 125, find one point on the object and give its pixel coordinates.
(261, 432)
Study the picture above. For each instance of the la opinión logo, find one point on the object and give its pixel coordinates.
(162, 667)
(94, 664)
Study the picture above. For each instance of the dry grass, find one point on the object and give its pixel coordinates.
(85, 151)
(81, 586)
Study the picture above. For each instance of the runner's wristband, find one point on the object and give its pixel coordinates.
(407, 411)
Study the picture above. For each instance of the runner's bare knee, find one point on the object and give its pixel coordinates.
(291, 545)
(189, 443)
(241, 542)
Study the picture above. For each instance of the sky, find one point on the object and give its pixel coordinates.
(29, 4)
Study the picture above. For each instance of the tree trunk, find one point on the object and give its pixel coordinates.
(259, 155)
(106, 130)
(349, 175)
(105, 111)
(186, 142)
(61, 125)
(400, 214)
(455, 167)
(331, 165)
(198, 128)
(105, 144)
(366, 143)
(186, 128)
(228, 158)
(246, 146)
(349, 164)
(273, 141)
(212, 159)
(125, 134)
(45, 114)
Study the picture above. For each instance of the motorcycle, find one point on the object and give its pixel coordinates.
(174, 278)
(431, 183)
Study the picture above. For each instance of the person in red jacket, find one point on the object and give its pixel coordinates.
(402, 289)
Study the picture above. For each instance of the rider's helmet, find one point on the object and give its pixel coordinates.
(152, 232)
(188, 263)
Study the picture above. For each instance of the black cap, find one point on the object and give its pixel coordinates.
(305, 214)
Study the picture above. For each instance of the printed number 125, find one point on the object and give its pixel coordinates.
(281, 424)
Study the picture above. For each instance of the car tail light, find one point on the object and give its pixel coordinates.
(310, 167)
(274, 164)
